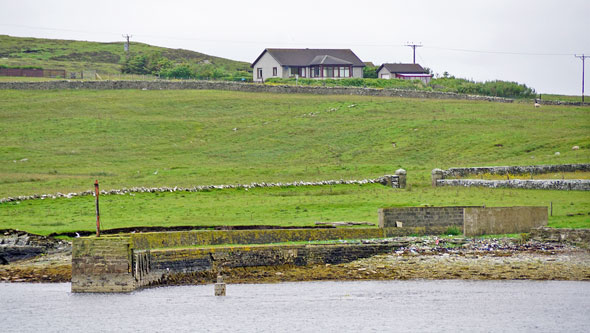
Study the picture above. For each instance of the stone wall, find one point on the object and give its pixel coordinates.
(421, 216)
(245, 87)
(439, 177)
(515, 170)
(120, 264)
(157, 264)
(155, 240)
(398, 180)
(575, 236)
(531, 184)
(503, 220)
(102, 265)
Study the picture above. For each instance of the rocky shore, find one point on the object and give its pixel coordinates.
(417, 258)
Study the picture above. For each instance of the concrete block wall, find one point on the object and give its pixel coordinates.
(503, 220)
(421, 216)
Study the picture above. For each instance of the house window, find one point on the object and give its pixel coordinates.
(314, 72)
(344, 72)
(328, 72)
(274, 71)
(302, 71)
(259, 73)
(294, 71)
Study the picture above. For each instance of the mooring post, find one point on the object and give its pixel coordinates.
(220, 286)
(96, 191)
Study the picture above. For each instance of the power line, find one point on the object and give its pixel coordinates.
(414, 46)
(583, 58)
(127, 44)
(298, 43)
(499, 52)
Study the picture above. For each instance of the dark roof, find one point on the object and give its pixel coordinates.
(328, 60)
(404, 68)
(306, 57)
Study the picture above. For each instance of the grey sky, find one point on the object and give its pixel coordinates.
(531, 42)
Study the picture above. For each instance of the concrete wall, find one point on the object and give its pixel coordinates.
(421, 216)
(503, 220)
(245, 87)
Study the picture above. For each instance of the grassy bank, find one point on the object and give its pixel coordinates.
(287, 207)
(60, 141)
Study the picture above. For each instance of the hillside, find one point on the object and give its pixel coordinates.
(104, 57)
(60, 141)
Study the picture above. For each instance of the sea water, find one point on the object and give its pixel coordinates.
(363, 306)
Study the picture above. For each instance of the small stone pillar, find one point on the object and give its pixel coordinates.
(436, 175)
(401, 174)
(220, 286)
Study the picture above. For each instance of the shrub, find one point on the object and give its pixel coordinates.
(453, 231)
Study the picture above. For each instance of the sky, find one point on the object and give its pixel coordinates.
(528, 41)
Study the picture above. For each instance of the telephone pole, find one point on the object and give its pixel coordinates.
(583, 57)
(127, 43)
(414, 46)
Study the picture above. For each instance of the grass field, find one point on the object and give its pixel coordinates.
(60, 141)
(105, 58)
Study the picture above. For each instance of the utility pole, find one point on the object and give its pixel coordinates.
(127, 43)
(583, 57)
(414, 46)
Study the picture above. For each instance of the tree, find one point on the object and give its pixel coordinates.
(370, 72)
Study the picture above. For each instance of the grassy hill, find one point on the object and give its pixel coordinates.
(104, 57)
(60, 141)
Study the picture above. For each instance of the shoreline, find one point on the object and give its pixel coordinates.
(423, 258)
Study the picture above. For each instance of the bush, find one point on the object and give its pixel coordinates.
(453, 231)
(179, 72)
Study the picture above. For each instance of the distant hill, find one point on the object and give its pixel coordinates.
(75, 56)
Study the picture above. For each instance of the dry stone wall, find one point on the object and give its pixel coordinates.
(515, 170)
(531, 184)
(395, 181)
(440, 177)
(244, 87)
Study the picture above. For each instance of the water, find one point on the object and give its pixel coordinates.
(442, 306)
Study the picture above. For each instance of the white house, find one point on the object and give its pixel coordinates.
(307, 63)
(404, 71)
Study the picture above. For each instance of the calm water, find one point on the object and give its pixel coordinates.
(515, 306)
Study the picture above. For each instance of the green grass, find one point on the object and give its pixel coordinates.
(287, 207)
(60, 141)
(105, 58)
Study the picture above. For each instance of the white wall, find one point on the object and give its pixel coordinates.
(266, 62)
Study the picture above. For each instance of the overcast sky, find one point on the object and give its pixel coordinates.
(528, 41)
